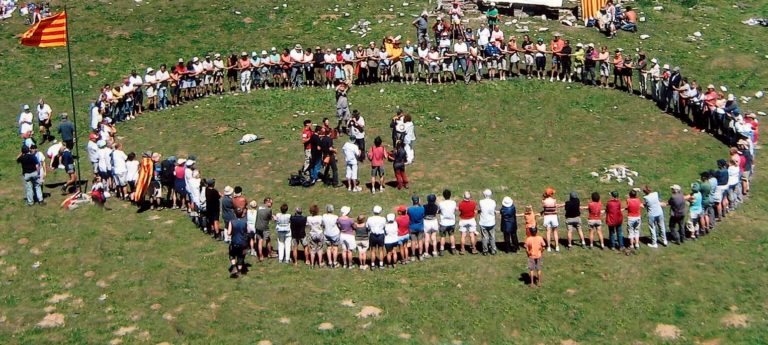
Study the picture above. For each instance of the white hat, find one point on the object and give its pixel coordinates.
(424, 13)
(507, 201)
(217, 55)
(676, 188)
(654, 60)
(273, 49)
(297, 46)
(666, 66)
(180, 161)
(467, 195)
(263, 52)
(348, 46)
(345, 210)
(397, 38)
(195, 59)
(493, 4)
(377, 209)
(487, 193)
(591, 45)
(181, 60)
(150, 70)
(390, 217)
(579, 45)
(731, 97)
(720, 111)
(190, 162)
(710, 86)
(228, 190)
(254, 54)
(26, 107)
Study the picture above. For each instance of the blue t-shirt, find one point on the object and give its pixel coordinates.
(239, 228)
(696, 203)
(66, 158)
(416, 215)
(408, 51)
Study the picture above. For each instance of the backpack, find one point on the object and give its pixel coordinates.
(296, 180)
(167, 173)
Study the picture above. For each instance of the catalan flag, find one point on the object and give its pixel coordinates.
(49, 32)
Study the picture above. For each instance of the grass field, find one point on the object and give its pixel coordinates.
(122, 276)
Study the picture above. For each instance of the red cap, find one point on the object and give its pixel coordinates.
(401, 208)
(93, 136)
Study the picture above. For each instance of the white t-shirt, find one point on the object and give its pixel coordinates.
(351, 152)
(104, 157)
(460, 48)
(93, 151)
(44, 112)
(197, 67)
(250, 219)
(54, 150)
(95, 117)
(733, 175)
(487, 212)
(135, 81)
(41, 161)
(150, 80)
(410, 135)
(118, 161)
(496, 35)
(297, 56)
(375, 225)
(208, 65)
(357, 133)
(447, 213)
(390, 233)
(423, 53)
(329, 225)
(218, 65)
(482, 36)
(25, 122)
(315, 224)
(161, 76)
(132, 168)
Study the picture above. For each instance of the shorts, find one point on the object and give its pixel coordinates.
(633, 227)
(745, 175)
(550, 221)
(377, 171)
(409, 67)
(179, 186)
(250, 235)
(719, 191)
(303, 241)
(317, 244)
(417, 235)
(376, 240)
(493, 64)
(120, 178)
(403, 239)
(390, 246)
(594, 223)
(342, 113)
(362, 246)
(573, 223)
(468, 225)
(70, 169)
(237, 252)
(447, 67)
(262, 235)
(208, 80)
(535, 264)
(348, 242)
(352, 171)
(434, 68)
(604, 72)
(555, 60)
(446, 230)
(104, 175)
(514, 58)
(333, 240)
(541, 62)
(430, 226)
(529, 60)
(695, 214)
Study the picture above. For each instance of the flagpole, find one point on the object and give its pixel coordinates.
(72, 99)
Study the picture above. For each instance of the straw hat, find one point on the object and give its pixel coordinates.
(228, 190)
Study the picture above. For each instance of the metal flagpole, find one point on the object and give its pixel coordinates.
(72, 98)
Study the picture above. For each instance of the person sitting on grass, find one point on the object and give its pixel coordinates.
(99, 192)
(629, 20)
(534, 247)
(236, 230)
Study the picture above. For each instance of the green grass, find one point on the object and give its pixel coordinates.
(515, 138)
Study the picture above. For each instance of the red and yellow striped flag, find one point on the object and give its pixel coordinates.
(49, 32)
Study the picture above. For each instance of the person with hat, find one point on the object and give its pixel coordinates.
(347, 237)
(655, 79)
(627, 72)
(634, 223)
(618, 68)
(66, 130)
(179, 185)
(403, 236)
(492, 15)
(342, 106)
(67, 160)
(351, 155)
(275, 67)
(447, 223)
(439, 27)
(183, 82)
(391, 242)
(332, 235)
(431, 227)
(232, 71)
(227, 209)
(421, 24)
(361, 65)
(409, 61)
(467, 223)
(136, 84)
(244, 69)
(483, 36)
(416, 215)
(487, 222)
(614, 218)
(120, 171)
(44, 120)
(297, 66)
(494, 58)
(283, 230)
(208, 69)
(30, 168)
(603, 60)
(508, 224)
(696, 210)
(395, 55)
(673, 93)
(218, 74)
(655, 214)
(372, 62)
(573, 219)
(376, 225)
(664, 86)
(676, 204)
(556, 47)
(307, 67)
(642, 73)
(433, 65)
(25, 122)
(299, 237)
(150, 81)
(348, 64)
(196, 201)
(197, 73)
(329, 159)
(540, 57)
(318, 67)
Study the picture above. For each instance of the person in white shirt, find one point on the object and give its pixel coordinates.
(461, 50)
(96, 116)
(131, 171)
(297, 64)
(483, 36)
(120, 171)
(162, 78)
(487, 222)
(218, 74)
(375, 225)
(138, 95)
(150, 80)
(351, 154)
(93, 151)
(25, 122)
(104, 162)
(447, 211)
(423, 52)
(391, 240)
(53, 154)
(127, 100)
(198, 74)
(208, 75)
(332, 235)
(44, 120)
(41, 167)
(497, 34)
(410, 137)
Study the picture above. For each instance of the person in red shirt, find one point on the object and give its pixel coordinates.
(634, 205)
(403, 233)
(306, 136)
(614, 217)
(594, 220)
(467, 222)
(534, 247)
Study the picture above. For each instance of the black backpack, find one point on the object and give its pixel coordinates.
(296, 180)
(167, 173)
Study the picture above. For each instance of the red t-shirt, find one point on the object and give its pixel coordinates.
(179, 172)
(377, 155)
(595, 209)
(613, 214)
(306, 134)
(402, 224)
(467, 209)
(633, 207)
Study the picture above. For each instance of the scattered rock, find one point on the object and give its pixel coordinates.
(49, 309)
(122, 331)
(155, 306)
(667, 332)
(52, 320)
(35, 251)
(264, 342)
(116, 341)
(168, 317)
(368, 311)
(92, 73)
(569, 342)
(325, 326)
(102, 284)
(59, 298)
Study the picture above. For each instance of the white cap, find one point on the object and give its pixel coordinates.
(26, 107)
(150, 70)
(579, 45)
(345, 210)
(195, 59)
(377, 209)
(731, 97)
(676, 188)
(273, 49)
(254, 54)
(507, 202)
(487, 193)
(390, 217)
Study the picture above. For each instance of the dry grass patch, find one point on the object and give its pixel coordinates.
(368, 311)
(52, 321)
(735, 320)
(667, 332)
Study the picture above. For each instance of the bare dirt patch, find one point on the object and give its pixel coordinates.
(59, 298)
(35, 251)
(248, 20)
(329, 16)
(119, 33)
(22, 241)
(715, 341)
(734, 320)
(667, 332)
(102, 284)
(123, 331)
(92, 73)
(285, 320)
(168, 317)
(404, 335)
(116, 341)
(368, 311)
(52, 320)
(89, 274)
(384, 16)
(348, 303)
(570, 292)
(264, 342)
(155, 306)
(569, 342)
(325, 326)
(49, 309)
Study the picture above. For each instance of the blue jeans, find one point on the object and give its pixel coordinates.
(629, 26)
(32, 187)
(461, 62)
(315, 170)
(656, 224)
(613, 233)
(296, 76)
(162, 96)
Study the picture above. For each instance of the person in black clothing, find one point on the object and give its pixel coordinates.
(397, 135)
(508, 214)
(316, 160)
(400, 157)
(299, 236)
(68, 161)
(565, 60)
(213, 208)
(236, 230)
(573, 218)
(29, 170)
(588, 74)
(329, 159)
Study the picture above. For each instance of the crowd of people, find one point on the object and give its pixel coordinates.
(408, 233)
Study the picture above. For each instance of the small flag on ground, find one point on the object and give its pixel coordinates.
(49, 32)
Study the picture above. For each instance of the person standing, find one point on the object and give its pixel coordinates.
(30, 172)
(676, 204)
(66, 130)
(534, 247)
(263, 238)
(376, 224)
(431, 227)
(509, 224)
(357, 131)
(549, 211)
(342, 104)
(120, 171)
(351, 155)
(633, 219)
(594, 220)
(416, 228)
(399, 159)
(467, 223)
(377, 154)
(613, 219)
(329, 159)
(447, 221)
(298, 223)
(306, 136)
(316, 237)
(44, 120)
(655, 215)
(213, 208)
(332, 235)
(421, 25)
(284, 239)
(68, 161)
(25, 122)
(227, 209)
(487, 222)
(347, 237)
(573, 218)
(236, 230)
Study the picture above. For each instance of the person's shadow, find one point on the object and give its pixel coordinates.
(525, 278)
